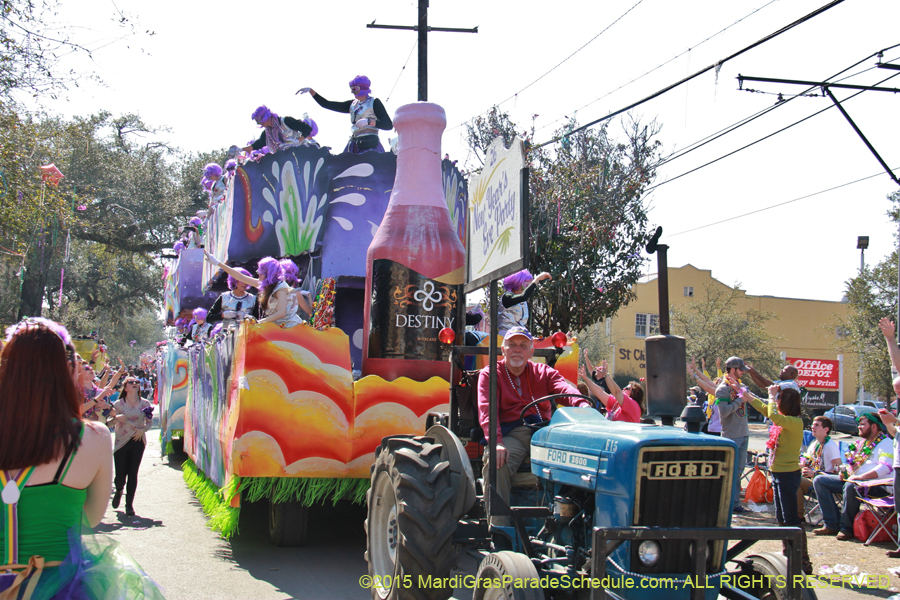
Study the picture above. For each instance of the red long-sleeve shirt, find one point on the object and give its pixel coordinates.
(537, 381)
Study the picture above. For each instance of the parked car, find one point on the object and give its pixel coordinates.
(844, 417)
(876, 404)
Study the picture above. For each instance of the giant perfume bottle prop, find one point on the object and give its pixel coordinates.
(416, 262)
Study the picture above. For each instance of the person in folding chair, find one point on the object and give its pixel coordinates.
(822, 457)
(868, 458)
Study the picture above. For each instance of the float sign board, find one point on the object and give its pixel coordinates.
(497, 227)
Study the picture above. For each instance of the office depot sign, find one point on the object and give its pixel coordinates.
(816, 373)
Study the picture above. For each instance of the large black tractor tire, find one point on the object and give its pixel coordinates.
(287, 523)
(514, 570)
(772, 565)
(410, 522)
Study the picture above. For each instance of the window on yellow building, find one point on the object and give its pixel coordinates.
(689, 291)
(645, 325)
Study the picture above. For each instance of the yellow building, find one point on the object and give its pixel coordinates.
(807, 329)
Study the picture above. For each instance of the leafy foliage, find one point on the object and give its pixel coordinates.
(713, 328)
(587, 216)
(120, 203)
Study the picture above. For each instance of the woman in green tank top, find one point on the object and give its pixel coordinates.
(55, 473)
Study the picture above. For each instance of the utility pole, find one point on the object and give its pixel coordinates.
(422, 28)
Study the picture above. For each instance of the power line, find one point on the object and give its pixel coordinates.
(777, 205)
(714, 136)
(571, 55)
(716, 66)
(762, 138)
(674, 58)
(402, 69)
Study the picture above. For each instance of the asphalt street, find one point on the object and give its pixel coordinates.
(170, 540)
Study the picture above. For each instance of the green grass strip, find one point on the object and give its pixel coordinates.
(306, 490)
(214, 500)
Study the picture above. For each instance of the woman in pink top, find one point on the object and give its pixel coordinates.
(621, 405)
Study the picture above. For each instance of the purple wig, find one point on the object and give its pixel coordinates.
(291, 272)
(200, 313)
(269, 271)
(230, 164)
(195, 221)
(53, 326)
(232, 282)
(178, 247)
(216, 329)
(212, 170)
(315, 128)
(364, 84)
(517, 280)
(262, 114)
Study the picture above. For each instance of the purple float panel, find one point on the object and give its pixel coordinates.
(320, 209)
(305, 201)
(183, 285)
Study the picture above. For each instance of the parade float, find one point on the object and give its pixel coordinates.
(295, 415)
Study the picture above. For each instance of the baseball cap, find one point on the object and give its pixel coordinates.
(517, 330)
(735, 363)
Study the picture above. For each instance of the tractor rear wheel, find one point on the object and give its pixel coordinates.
(410, 521)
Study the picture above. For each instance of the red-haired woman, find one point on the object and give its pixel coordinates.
(56, 467)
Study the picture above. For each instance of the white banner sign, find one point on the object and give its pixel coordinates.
(495, 211)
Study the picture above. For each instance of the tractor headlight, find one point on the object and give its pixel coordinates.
(648, 553)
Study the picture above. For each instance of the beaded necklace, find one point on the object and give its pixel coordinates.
(516, 389)
(856, 456)
(819, 454)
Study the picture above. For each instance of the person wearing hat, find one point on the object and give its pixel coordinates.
(868, 458)
(733, 418)
(519, 382)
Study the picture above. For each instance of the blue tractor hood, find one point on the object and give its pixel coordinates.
(580, 447)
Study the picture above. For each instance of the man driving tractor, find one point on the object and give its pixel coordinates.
(519, 382)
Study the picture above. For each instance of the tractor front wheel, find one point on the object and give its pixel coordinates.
(517, 573)
(410, 521)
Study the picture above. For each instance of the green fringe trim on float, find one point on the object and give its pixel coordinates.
(169, 448)
(306, 490)
(215, 500)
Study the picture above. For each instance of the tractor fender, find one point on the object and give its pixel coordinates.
(462, 478)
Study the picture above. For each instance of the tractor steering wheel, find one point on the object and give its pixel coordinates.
(538, 425)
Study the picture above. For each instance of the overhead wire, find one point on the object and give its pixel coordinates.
(561, 62)
(733, 152)
(714, 136)
(717, 65)
(402, 69)
(607, 28)
(779, 204)
(674, 58)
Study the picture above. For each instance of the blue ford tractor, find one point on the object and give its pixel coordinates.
(603, 510)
